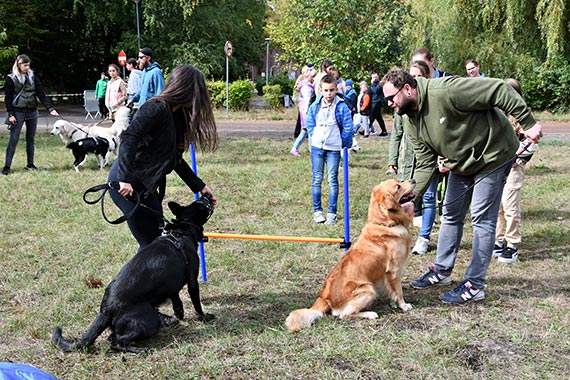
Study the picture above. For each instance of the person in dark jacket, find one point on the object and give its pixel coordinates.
(21, 89)
(153, 146)
(377, 102)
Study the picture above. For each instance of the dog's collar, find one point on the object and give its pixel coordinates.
(72, 133)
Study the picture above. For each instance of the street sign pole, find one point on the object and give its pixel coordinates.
(228, 49)
(227, 83)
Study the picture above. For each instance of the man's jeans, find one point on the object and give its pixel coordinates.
(318, 159)
(484, 198)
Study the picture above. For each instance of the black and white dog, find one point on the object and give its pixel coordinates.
(155, 274)
(101, 147)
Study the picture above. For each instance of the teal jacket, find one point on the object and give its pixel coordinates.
(461, 119)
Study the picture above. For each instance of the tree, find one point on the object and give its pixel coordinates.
(359, 36)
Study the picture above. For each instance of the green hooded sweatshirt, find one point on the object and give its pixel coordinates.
(461, 119)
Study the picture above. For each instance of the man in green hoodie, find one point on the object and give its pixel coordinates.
(461, 119)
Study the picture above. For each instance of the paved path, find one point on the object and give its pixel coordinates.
(281, 129)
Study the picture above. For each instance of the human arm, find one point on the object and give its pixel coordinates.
(121, 95)
(190, 178)
(395, 141)
(347, 125)
(43, 98)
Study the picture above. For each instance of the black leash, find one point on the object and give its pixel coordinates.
(103, 188)
(517, 155)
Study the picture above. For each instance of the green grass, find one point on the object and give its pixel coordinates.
(51, 241)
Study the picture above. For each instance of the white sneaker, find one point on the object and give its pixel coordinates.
(331, 218)
(318, 217)
(421, 246)
(418, 221)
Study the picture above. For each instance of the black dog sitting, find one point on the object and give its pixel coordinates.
(153, 275)
(99, 146)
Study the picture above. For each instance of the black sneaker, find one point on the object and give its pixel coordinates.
(462, 293)
(6, 170)
(32, 168)
(509, 256)
(430, 278)
(498, 250)
(383, 134)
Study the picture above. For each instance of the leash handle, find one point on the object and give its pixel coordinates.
(103, 188)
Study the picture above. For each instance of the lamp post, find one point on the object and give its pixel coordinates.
(267, 41)
(138, 27)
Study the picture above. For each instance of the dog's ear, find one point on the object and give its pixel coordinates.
(175, 208)
(389, 202)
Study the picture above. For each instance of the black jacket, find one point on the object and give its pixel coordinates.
(12, 89)
(152, 146)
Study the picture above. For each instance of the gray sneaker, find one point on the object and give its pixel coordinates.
(318, 217)
(331, 218)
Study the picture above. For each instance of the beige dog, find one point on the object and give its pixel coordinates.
(375, 261)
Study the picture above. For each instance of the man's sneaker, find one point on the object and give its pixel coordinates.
(421, 246)
(498, 250)
(331, 218)
(294, 152)
(509, 256)
(318, 217)
(32, 168)
(431, 278)
(6, 170)
(383, 134)
(462, 293)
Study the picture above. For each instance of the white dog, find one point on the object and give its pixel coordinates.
(71, 132)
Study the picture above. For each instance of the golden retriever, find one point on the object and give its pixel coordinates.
(374, 262)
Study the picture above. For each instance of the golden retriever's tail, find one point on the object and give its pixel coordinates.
(301, 318)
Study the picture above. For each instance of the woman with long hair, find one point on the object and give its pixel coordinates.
(116, 93)
(153, 146)
(21, 89)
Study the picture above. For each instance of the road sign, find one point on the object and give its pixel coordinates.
(122, 58)
(228, 49)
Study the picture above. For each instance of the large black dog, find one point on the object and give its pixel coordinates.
(101, 147)
(153, 275)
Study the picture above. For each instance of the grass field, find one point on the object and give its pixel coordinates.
(52, 241)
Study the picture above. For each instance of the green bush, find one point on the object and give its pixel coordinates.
(271, 94)
(287, 85)
(240, 93)
(217, 91)
(547, 88)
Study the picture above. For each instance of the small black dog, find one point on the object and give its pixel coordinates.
(153, 275)
(100, 146)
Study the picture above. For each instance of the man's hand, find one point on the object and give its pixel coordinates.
(534, 134)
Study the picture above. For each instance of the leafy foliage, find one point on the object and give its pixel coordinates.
(271, 95)
(240, 93)
(359, 36)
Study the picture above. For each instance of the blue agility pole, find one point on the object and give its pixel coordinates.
(346, 201)
(197, 196)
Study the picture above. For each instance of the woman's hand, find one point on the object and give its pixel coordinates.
(125, 189)
(54, 113)
(12, 119)
(207, 190)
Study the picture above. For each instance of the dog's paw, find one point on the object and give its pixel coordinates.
(368, 315)
(206, 317)
(405, 307)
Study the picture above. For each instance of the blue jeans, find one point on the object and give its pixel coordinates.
(144, 225)
(300, 139)
(485, 199)
(31, 120)
(318, 159)
(429, 209)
